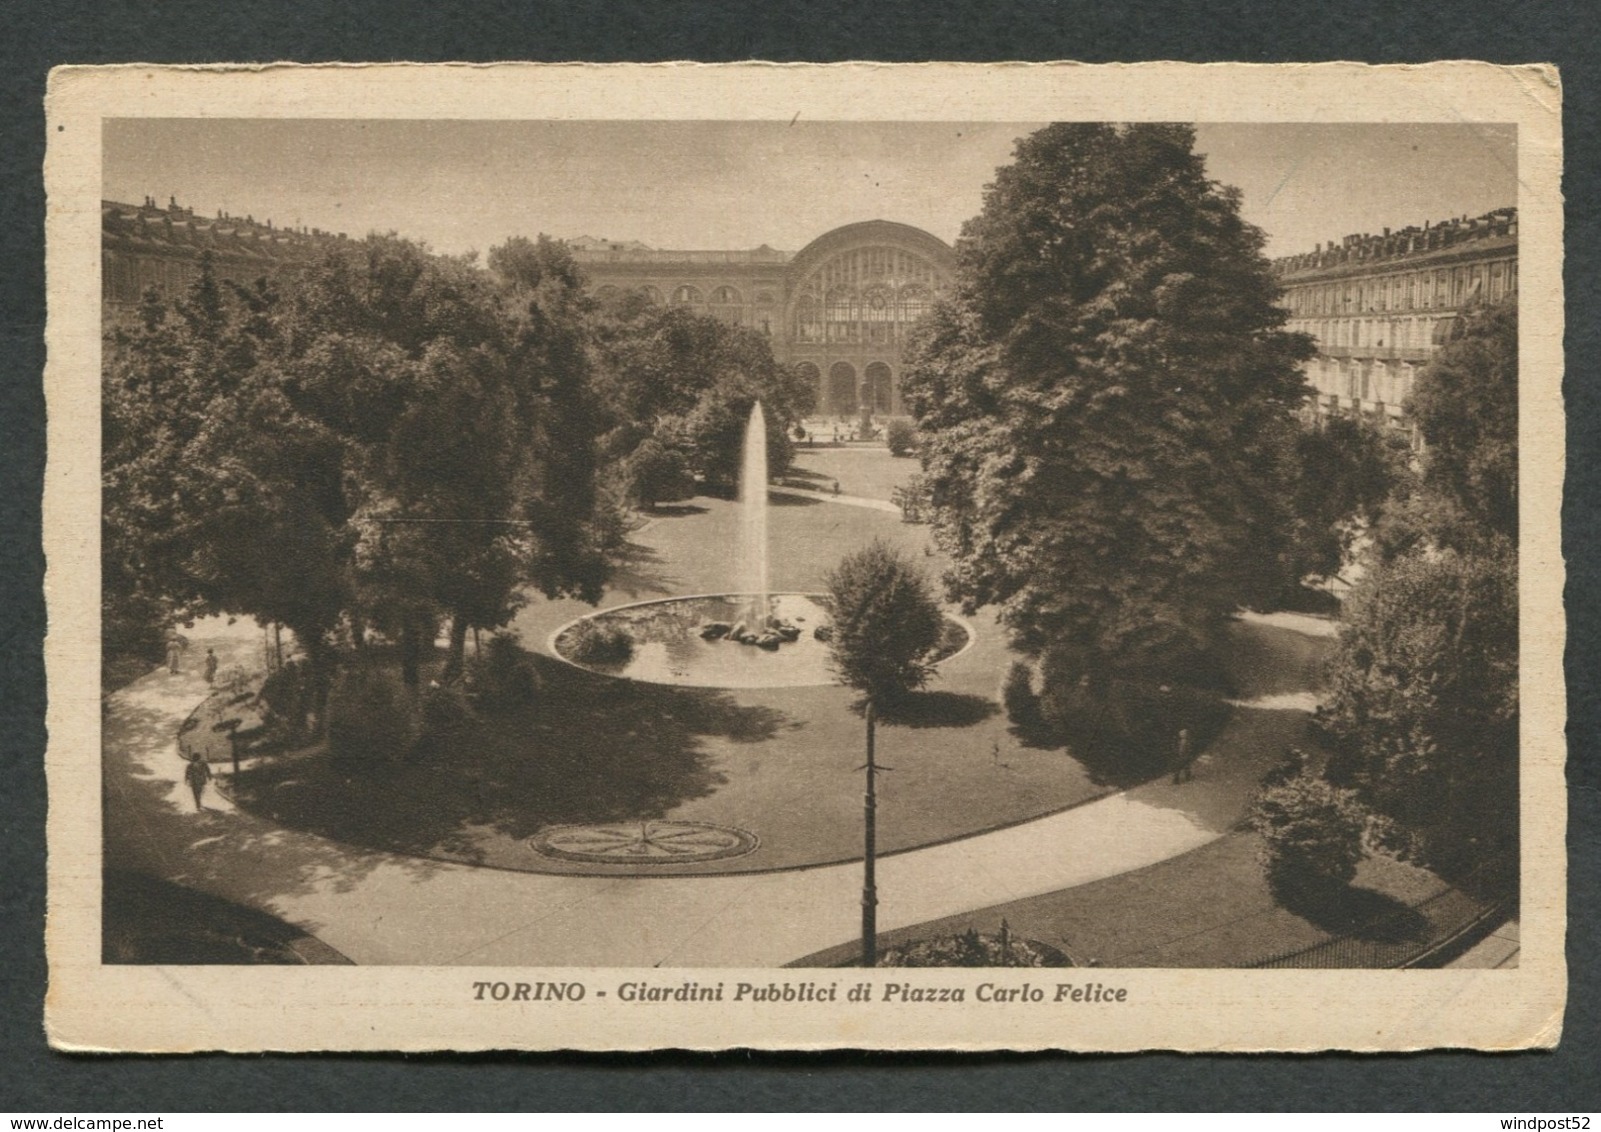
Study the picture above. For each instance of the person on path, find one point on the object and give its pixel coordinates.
(197, 774)
(174, 650)
(1184, 762)
(211, 665)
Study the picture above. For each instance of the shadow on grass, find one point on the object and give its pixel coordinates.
(938, 709)
(145, 920)
(641, 570)
(780, 499)
(589, 749)
(1360, 913)
(1118, 765)
(675, 511)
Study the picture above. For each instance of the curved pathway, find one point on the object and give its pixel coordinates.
(386, 908)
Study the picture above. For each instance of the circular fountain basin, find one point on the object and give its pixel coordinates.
(668, 647)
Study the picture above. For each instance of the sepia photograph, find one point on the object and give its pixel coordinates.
(641, 566)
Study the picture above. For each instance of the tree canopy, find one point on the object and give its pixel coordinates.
(1423, 699)
(885, 623)
(688, 381)
(393, 439)
(1465, 404)
(1105, 398)
(1424, 704)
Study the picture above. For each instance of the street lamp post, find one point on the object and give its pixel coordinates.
(869, 880)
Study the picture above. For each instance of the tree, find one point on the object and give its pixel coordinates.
(885, 627)
(1465, 404)
(901, 437)
(1311, 835)
(1423, 704)
(885, 624)
(220, 493)
(1423, 687)
(1103, 398)
(656, 474)
(392, 439)
(1343, 474)
(688, 381)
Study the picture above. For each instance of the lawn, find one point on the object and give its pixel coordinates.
(1208, 908)
(865, 470)
(781, 763)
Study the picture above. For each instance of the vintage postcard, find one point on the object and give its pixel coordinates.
(904, 557)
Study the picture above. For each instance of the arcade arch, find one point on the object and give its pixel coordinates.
(841, 388)
(877, 388)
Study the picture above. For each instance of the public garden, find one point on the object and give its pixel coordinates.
(557, 638)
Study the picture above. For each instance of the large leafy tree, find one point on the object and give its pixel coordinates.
(1104, 399)
(219, 493)
(1424, 704)
(688, 382)
(1466, 407)
(395, 439)
(1423, 695)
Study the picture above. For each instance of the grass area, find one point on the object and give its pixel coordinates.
(1207, 908)
(867, 471)
(151, 921)
(779, 762)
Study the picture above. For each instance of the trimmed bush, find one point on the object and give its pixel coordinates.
(1017, 694)
(591, 642)
(371, 717)
(901, 437)
(504, 676)
(1311, 834)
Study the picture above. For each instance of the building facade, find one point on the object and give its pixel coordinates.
(1381, 306)
(146, 246)
(839, 309)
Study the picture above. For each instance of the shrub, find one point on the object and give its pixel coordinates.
(1311, 834)
(971, 949)
(287, 698)
(371, 717)
(505, 675)
(657, 474)
(445, 715)
(901, 437)
(1017, 694)
(592, 642)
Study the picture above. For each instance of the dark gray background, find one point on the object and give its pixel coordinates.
(35, 35)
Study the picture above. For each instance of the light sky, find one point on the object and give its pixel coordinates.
(464, 186)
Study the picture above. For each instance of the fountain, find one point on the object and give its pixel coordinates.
(696, 640)
(753, 519)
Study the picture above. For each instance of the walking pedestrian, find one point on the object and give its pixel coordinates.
(211, 665)
(174, 650)
(197, 774)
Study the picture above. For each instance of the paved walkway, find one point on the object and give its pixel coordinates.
(1497, 950)
(384, 908)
